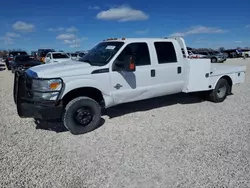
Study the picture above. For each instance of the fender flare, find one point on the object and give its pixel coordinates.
(227, 77)
(81, 83)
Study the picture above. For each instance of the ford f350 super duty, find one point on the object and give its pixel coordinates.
(118, 71)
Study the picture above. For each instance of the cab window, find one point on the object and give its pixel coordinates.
(165, 52)
(139, 51)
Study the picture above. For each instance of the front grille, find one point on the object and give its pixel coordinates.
(28, 85)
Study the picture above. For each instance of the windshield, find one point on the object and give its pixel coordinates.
(73, 55)
(102, 53)
(59, 56)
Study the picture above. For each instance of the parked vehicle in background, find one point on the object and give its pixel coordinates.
(34, 54)
(118, 71)
(56, 57)
(195, 54)
(41, 53)
(80, 55)
(23, 62)
(246, 53)
(4, 58)
(232, 53)
(216, 57)
(10, 57)
(72, 55)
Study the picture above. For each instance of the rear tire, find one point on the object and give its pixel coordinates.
(220, 92)
(82, 115)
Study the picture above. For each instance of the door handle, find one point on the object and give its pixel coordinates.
(152, 73)
(178, 70)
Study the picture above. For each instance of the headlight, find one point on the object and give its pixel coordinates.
(47, 85)
(45, 96)
(46, 89)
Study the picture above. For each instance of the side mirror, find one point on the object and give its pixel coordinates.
(128, 64)
(131, 64)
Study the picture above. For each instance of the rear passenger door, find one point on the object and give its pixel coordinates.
(169, 69)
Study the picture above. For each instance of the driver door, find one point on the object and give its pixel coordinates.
(132, 86)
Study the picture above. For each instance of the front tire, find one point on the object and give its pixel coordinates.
(220, 92)
(82, 115)
(214, 60)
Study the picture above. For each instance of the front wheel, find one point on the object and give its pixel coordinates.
(82, 115)
(220, 92)
(213, 60)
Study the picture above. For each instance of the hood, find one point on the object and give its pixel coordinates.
(63, 69)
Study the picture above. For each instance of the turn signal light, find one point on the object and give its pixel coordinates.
(54, 85)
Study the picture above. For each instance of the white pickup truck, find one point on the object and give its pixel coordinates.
(118, 71)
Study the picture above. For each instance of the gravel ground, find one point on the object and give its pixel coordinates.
(174, 141)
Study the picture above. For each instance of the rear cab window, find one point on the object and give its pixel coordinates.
(165, 52)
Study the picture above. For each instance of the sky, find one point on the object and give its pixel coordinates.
(79, 25)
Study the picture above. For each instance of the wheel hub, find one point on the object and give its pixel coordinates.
(222, 91)
(84, 116)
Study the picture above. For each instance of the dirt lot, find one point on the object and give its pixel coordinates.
(173, 141)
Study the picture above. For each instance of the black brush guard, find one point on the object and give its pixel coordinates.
(19, 86)
(26, 107)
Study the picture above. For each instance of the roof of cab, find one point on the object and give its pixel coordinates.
(137, 39)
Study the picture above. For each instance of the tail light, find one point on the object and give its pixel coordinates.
(9, 59)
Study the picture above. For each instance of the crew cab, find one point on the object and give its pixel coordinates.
(56, 57)
(118, 71)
